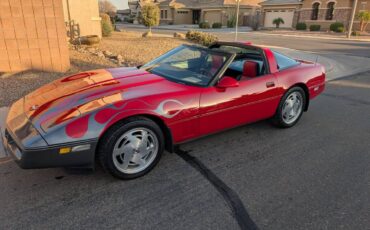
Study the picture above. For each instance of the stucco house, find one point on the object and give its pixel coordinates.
(196, 11)
(319, 12)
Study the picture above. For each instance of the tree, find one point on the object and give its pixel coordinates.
(277, 22)
(150, 15)
(364, 18)
(106, 7)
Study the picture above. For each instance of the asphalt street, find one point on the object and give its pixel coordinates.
(315, 175)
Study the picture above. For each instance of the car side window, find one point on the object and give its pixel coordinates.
(283, 61)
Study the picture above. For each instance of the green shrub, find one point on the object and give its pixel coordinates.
(150, 14)
(106, 25)
(315, 27)
(217, 25)
(301, 26)
(337, 27)
(231, 22)
(204, 25)
(355, 33)
(200, 37)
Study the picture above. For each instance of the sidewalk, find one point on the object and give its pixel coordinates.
(184, 27)
(316, 35)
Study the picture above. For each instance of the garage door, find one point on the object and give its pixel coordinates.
(212, 16)
(286, 15)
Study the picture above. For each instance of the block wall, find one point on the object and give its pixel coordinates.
(33, 36)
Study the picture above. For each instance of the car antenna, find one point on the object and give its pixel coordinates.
(317, 58)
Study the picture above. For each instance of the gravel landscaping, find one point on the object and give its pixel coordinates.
(132, 48)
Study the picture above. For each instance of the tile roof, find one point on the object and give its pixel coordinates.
(280, 2)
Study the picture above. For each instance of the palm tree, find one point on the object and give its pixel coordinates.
(364, 18)
(278, 21)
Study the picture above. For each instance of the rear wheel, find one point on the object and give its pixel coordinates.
(132, 148)
(290, 108)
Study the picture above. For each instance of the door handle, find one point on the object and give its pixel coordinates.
(270, 84)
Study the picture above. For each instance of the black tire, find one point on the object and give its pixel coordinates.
(278, 117)
(108, 140)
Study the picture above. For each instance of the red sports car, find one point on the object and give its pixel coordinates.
(126, 117)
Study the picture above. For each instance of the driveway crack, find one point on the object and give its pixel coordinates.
(230, 196)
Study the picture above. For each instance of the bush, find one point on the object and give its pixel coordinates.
(337, 27)
(315, 27)
(200, 37)
(231, 22)
(204, 25)
(106, 25)
(217, 25)
(301, 26)
(355, 33)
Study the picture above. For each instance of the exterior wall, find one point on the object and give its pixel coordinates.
(342, 13)
(215, 14)
(361, 6)
(245, 13)
(212, 16)
(170, 15)
(85, 14)
(33, 35)
(180, 17)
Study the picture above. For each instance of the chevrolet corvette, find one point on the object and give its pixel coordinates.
(124, 118)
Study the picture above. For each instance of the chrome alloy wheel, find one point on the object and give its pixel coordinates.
(292, 107)
(135, 150)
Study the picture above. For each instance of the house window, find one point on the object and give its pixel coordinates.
(330, 11)
(315, 11)
(182, 12)
(363, 6)
(163, 14)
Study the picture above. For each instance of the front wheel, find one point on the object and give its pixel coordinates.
(290, 108)
(132, 148)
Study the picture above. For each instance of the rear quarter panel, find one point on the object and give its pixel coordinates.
(309, 74)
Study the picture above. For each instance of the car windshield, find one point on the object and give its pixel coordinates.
(188, 65)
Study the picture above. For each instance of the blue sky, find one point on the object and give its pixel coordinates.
(120, 4)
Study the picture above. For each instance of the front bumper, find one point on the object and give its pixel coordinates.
(50, 156)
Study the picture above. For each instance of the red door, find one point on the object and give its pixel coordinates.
(252, 100)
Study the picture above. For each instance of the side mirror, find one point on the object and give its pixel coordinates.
(227, 82)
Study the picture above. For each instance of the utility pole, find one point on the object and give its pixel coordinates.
(352, 18)
(237, 19)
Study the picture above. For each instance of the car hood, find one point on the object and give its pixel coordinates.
(72, 96)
